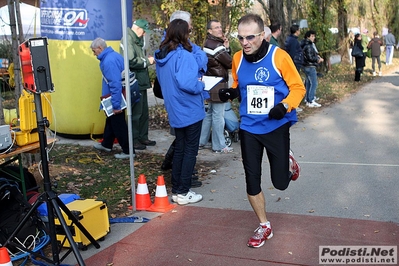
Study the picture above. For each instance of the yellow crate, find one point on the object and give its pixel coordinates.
(27, 110)
(24, 138)
(92, 214)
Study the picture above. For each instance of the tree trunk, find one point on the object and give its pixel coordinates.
(15, 54)
(276, 15)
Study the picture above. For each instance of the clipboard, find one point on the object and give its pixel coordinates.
(107, 105)
(210, 82)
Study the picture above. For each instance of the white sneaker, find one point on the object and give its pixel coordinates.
(190, 197)
(224, 150)
(380, 74)
(174, 197)
(123, 155)
(374, 74)
(100, 147)
(313, 104)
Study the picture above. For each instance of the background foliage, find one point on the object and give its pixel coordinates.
(321, 15)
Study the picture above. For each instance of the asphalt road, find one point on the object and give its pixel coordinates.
(348, 152)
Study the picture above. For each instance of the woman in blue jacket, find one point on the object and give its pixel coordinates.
(177, 72)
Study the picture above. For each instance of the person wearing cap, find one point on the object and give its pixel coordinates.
(138, 63)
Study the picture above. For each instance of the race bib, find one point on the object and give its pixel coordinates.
(260, 99)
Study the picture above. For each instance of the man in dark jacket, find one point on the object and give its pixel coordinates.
(138, 63)
(310, 61)
(293, 47)
(216, 47)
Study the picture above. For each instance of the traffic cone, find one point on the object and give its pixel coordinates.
(161, 202)
(143, 200)
(4, 257)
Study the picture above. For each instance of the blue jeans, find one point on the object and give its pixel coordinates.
(389, 54)
(310, 83)
(214, 118)
(185, 156)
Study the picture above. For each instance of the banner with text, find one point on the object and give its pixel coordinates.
(83, 20)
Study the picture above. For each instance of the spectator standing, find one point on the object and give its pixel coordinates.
(375, 46)
(389, 47)
(365, 42)
(202, 61)
(216, 47)
(138, 63)
(262, 69)
(268, 34)
(359, 61)
(111, 66)
(184, 103)
(310, 62)
(293, 47)
(351, 41)
(276, 32)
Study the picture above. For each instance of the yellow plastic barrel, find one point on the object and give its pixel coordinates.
(70, 29)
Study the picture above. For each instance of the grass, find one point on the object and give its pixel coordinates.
(90, 174)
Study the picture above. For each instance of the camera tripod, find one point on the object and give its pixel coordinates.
(54, 204)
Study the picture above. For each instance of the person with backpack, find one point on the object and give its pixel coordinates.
(293, 47)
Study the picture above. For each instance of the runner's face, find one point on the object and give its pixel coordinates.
(245, 33)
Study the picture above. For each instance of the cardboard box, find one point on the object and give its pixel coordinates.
(92, 214)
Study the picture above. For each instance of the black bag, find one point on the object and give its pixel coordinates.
(13, 208)
(29, 178)
(356, 51)
(157, 89)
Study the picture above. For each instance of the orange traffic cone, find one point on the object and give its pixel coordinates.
(143, 200)
(161, 202)
(4, 257)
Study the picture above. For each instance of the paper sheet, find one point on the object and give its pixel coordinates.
(211, 81)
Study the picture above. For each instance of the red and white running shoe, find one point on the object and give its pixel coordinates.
(295, 168)
(262, 233)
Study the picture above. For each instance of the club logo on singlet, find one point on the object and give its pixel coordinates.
(262, 74)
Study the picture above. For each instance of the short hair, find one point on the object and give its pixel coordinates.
(275, 27)
(294, 28)
(209, 24)
(98, 42)
(180, 14)
(252, 18)
(309, 32)
(267, 32)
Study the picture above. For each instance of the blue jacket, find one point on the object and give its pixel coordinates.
(177, 73)
(111, 65)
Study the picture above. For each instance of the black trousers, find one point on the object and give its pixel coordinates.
(116, 127)
(277, 145)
